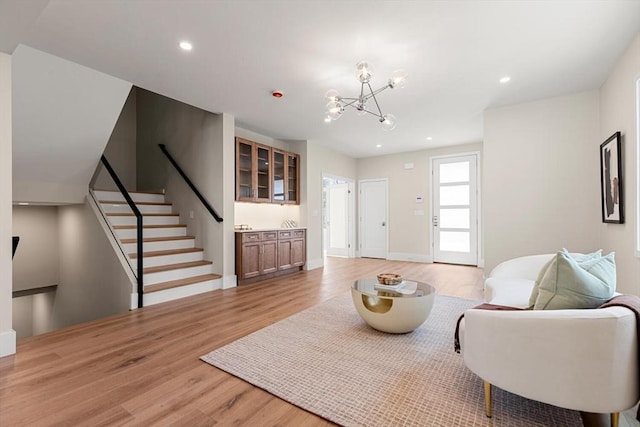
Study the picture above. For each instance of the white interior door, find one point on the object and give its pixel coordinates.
(373, 218)
(337, 220)
(455, 210)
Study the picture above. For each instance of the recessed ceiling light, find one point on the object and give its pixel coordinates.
(277, 94)
(429, 138)
(378, 145)
(505, 79)
(184, 45)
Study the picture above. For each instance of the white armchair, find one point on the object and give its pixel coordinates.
(584, 360)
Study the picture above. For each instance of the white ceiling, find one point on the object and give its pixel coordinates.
(454, 51)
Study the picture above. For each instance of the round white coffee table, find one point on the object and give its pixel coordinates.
(396, 312)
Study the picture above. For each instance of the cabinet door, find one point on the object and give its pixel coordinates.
(284, 254)
(293, 178)
(251, 259)
(244, 170)
(263, 173)
(269, 257)
(298, 249)
(278, 167)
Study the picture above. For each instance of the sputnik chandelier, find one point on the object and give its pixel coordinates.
(364, 73)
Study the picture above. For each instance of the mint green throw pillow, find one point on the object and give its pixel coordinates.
(579, 259)
(569, 284)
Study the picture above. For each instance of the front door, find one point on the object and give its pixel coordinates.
(455, 209)
(373, 218)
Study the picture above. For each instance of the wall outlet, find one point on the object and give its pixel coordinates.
(191, 214)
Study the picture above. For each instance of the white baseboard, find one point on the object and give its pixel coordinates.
(312, 264)
(134, 301)
(402, 256)
(481, 263)
(230, 281)
(7, 343)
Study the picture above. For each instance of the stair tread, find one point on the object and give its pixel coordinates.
(178, 266)
(157, 239)
(129, 227)
(180, 282)
(143, 214)
(130, 192)
(122, 202)
(134, 255)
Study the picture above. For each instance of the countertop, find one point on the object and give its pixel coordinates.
(270, 229)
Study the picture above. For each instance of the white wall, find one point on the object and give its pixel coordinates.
(37, 260)
(7, 334)
(317, 159)
(618, 113)
(63, 115)
(540, 177)
(409, 234)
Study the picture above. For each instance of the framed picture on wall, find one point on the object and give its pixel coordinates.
(611, 180)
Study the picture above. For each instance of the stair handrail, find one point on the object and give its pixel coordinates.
(190, 184)
(139, 229)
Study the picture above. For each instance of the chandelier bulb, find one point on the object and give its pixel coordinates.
(398, 79)
(388, 122)
(334, 110)
(332, 95)
(364, 72)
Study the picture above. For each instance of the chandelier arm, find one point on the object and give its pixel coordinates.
(372, 113)
(350, 103)
(376, 101)
(377, 91)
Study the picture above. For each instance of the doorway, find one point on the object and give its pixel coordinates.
(338, 213)
(455, 209)
(373, 212)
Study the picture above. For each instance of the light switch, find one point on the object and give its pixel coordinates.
(418, 212)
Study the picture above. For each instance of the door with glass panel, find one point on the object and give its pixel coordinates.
(455, 210)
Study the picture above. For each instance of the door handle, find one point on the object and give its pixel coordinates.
(384, 223)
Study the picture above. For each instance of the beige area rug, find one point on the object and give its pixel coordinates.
(326, 360)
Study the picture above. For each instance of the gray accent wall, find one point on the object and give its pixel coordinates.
(65, 246)
(37, 261)
(202, 143)
(121, 149)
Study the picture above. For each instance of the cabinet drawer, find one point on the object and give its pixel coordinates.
(285, 234)
(298, 233)
(269, 235)
(250, 237)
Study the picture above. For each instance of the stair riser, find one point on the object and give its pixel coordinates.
(137, 197)
(160, 246)
(155, 261)
(132, 233)
(181, 292)
(149, 220)
(144, 209)
(182, 273)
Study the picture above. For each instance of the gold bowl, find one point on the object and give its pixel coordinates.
(389, 279)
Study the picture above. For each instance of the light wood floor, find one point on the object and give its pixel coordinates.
(143, 367)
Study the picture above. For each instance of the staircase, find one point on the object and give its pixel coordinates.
(173, 266)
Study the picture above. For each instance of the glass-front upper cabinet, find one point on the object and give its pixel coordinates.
(253, 173)
(278, 166)
(244, 170)
(293, 180)
(266, 174)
